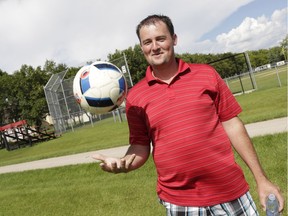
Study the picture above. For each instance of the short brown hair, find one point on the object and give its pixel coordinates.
(153, 19)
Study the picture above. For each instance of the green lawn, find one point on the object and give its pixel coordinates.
(263, 105)
(86, 190)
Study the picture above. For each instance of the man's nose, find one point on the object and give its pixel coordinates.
(155, 45)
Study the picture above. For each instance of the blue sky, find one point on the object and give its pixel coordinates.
(74, 32)
(254, 9)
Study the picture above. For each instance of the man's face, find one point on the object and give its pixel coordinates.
(157, 44)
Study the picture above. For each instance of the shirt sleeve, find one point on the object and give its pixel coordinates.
(226, 104)
(138, 131)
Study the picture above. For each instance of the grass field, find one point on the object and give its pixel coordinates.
(263, 105)
(87, 190)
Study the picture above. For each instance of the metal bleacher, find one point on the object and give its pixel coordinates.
(20, 134)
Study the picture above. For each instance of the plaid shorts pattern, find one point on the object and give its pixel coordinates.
(243, 206)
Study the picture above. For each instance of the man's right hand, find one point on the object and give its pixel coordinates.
(115, 165)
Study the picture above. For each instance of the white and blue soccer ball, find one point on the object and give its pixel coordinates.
(100, 87)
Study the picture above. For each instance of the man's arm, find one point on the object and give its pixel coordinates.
(134, 158)
(241, 142)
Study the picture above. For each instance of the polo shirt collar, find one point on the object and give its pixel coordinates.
(182, 67)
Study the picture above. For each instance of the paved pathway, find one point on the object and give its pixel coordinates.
(254, 129)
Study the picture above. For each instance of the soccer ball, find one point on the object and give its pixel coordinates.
(100, 87)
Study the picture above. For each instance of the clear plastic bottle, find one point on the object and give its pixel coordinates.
(272, 206)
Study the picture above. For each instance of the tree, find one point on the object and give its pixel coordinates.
(50, 67)
(275, 55)
(135, 60)
(28, 84)
(6, 92)
(284, 47)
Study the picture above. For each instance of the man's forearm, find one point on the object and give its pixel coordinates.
(141, 152)
(242, 143)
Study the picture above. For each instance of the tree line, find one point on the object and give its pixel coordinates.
(22, 93)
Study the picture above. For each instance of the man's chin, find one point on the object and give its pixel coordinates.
(157, 61)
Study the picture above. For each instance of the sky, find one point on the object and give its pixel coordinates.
(74, 32)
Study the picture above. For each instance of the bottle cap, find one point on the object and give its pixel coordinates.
(271, 197)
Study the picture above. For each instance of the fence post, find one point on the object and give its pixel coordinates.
(252, 78)
(226, 80)
(277, 74)
(126, 64)
(66, 104)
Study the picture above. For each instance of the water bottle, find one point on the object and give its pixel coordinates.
(272, 206)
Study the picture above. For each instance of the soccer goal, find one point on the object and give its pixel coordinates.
(237, 72)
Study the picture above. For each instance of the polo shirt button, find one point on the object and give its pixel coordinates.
(170, 92)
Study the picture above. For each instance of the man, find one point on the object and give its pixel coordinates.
(189, 115)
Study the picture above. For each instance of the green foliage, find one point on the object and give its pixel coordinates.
(29, 95)
(22, 94)
(6, 93)
(50, 67)
(135, 60)
(284, 47)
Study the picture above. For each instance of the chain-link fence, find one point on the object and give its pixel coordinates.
(65, 113)
(263, 79)
(236, 66)
(239, 75)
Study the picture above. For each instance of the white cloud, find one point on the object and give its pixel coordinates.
(252, 34)
(72, 32)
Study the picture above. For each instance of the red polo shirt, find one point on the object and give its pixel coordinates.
(192, 153)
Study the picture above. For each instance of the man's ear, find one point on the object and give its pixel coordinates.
(175, 38)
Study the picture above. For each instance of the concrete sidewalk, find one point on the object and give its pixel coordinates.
(254, 129)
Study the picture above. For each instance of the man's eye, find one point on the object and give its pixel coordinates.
(147, 42)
